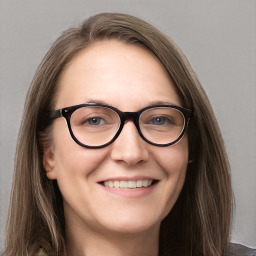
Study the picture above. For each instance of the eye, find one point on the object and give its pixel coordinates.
(160, 120)
(95, 121)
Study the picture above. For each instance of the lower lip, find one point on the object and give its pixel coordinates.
(131, 193)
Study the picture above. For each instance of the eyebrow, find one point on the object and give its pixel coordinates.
(97, 101)
(162, 102)
(150, 103)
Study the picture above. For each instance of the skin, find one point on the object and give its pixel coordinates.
(99, 222)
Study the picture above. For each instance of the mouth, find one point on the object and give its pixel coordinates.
(128, 184)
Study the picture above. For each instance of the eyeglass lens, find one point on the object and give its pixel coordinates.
(97, 125)
(161, 125)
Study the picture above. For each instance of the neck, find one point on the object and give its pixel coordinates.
(92, 243)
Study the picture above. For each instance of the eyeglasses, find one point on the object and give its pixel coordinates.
(94, 125)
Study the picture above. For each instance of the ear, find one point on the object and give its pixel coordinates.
(49, 162)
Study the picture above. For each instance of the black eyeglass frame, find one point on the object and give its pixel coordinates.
(124, 116)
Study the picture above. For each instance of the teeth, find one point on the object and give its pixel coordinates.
(144, 183)
(131, 184)
(139, 184)
(116, 184)
(111, 184)
(123, 184)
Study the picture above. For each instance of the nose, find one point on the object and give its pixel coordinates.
(129, 147)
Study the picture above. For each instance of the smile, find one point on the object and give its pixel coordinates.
(131, 184)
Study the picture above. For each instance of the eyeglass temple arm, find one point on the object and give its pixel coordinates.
(189, 112)
(55, 114)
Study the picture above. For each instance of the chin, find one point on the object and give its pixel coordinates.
(132, 225)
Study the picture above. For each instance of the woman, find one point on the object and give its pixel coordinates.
(119, 151)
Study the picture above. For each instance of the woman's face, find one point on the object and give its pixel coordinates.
(129, 78)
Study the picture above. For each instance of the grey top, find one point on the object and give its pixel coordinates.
(231, 250)
(240, 250)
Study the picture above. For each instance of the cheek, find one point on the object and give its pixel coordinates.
(72, 159)
(174, 159)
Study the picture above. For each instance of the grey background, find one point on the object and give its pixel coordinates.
(219, 39)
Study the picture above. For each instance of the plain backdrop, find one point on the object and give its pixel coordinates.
(219, 39)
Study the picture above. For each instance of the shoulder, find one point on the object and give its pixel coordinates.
(239, 250)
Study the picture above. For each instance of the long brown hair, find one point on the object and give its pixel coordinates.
(198, 224)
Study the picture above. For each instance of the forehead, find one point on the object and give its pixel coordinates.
(115, 73)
